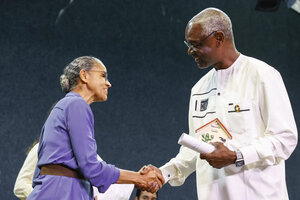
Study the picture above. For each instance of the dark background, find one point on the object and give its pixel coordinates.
(141, 44)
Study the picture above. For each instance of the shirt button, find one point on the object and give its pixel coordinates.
(219, 93)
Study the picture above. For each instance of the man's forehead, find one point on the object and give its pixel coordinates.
(193, 25)
(193, 30)
(149, 194)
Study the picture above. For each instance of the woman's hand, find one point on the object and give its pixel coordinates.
(151, 180)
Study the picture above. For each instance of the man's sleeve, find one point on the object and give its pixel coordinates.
(280, 137)
(179, 168)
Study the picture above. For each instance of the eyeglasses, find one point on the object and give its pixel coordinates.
(104, 74)
(199, 44)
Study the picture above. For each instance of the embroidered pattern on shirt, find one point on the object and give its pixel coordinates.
(203, 104)
(237, 108)
(205, 92)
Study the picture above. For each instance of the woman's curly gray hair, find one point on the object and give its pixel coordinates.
(68, 80)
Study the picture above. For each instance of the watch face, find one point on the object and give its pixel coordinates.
(239, 163)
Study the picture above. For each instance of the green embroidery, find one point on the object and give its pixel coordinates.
(206, 137)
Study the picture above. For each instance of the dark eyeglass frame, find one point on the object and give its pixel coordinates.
(196, 46)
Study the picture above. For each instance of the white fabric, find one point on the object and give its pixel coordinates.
(296, 6)
(23, 185)
(115, 191)
(264, 130)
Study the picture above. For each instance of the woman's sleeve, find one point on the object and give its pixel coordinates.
(80, 125)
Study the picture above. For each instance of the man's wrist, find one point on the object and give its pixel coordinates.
(166, 174)
(233, 157)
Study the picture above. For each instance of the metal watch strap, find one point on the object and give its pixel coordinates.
(239, 159)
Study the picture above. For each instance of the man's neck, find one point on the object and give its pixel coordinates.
(229, 57)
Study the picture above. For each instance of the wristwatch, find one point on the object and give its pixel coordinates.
(239, 159)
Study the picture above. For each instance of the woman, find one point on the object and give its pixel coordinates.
(23, 184)
(67, 165)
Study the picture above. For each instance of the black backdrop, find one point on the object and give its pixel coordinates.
(141, 44)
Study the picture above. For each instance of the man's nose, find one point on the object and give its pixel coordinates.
(191, 51)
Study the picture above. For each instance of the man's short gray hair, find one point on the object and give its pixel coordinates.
(213, 19)
(68, 80)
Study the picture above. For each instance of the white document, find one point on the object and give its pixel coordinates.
(195, 144)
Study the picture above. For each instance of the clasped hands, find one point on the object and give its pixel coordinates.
(151, 179)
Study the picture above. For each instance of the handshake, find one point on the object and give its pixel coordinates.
(150, 179)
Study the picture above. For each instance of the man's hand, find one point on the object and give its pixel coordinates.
(146, 169)
(220, 157)
(152, 186)
(153, 177)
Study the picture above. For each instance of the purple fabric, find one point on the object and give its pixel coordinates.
(67, 138)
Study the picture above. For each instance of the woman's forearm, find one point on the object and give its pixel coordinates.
(129, 177)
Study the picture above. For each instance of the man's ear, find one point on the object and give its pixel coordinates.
(83, 74)
(135, 198)
(220, 37)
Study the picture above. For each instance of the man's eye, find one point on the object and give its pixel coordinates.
(198, 45)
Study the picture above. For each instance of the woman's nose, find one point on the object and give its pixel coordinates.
(108, 83)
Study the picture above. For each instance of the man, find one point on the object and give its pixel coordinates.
(249, 98)
(144, 195)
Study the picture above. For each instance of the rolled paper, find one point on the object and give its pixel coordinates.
(195, 144)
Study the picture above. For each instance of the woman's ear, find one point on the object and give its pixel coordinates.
(83, 75)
